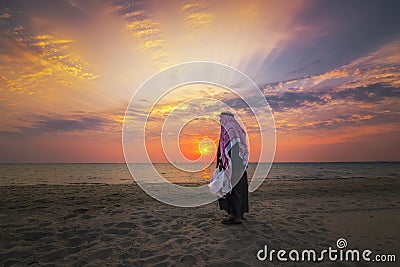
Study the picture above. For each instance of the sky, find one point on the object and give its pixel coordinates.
(329, 70)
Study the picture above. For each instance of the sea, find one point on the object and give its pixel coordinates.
(118, 173)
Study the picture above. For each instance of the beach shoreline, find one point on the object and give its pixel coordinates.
(120, 225)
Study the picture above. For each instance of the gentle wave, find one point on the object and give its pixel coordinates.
(117, 173)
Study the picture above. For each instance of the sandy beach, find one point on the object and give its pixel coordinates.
(119, 225)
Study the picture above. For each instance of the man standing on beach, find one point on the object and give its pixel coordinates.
(233, 158)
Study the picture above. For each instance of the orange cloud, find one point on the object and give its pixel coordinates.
(196, 14)
(147, 30)
(5, 16)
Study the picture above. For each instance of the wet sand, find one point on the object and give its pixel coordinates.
(119, 225)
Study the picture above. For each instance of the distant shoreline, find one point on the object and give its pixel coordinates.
(188, 184)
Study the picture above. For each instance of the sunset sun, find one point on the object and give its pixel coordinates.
(207, 147)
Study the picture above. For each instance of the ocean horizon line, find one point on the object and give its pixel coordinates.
(251, 162)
